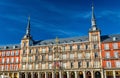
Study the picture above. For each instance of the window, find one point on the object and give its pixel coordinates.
(12, 53)
(96, 54)
(36, 58)
(23, 59)
(116, 54)
(36, 66)
(43, 66)
(50, 66)
(107, 54)
(106, 46)
(17, 60)
(63, 48)
(24, 51)
(64, 56)
(71, 64)
(36, 51)
(6, 67)
(71, 48)
(78, 47)
(43, 50)
(12, 60)
(94, 38)
(96, 64)
(3, 60)
(108, 64)
(7, 60)
(16, 67)
(30, 51)
(30, 66)
(8, 53)
(87, 55)
(43, 57)
(86, 47)
(23, 66)
(2, 67)
(24, 44)
(117, 63)
(71, 56)
(50, 49)
(95, 46)
(64, 65)
(16, 53)
(10, 67)
(50, 57)
(115, 46)
(30, 59)
(79, 64)
(87, 64)
(79, 55)
(3, 53)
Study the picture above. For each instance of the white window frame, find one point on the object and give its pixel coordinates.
(106, 46)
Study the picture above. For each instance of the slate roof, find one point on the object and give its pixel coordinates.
(104, 38)
(62, 40)
(110, 38)
(9, 47)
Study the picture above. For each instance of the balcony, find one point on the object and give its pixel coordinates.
(31, 61)
(111, 58)
(24, 54)
(24, 61)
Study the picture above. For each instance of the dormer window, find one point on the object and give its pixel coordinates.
(114, 38)
(79, 40)
(5, 47)
(65, 41)
(14, 47)
(71, 41)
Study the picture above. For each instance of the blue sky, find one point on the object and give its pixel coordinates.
(51, 18)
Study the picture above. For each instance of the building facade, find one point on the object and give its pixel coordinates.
(10, 61)
(111, 56)
(77, 57)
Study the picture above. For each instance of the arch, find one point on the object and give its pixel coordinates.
(57, 75)
(15, 75)
(49, 74)
(64, 74)
(42, 75)
(35, 75)
(72, 75)
(97, 74)
(23, 75)
(29, 75)
(88, 74)
(109, 74)
(80, 74)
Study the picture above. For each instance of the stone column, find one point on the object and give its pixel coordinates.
(12, 75)
(17, 74)
(92, 74)
(60, 74)
(26, 75)
(8, 74)
(38, 74)
(52, 74)
(32, 74)
(76, 74)
(114, 74)
(46, 75)
(104, 73)
(3, 74)
(68, 74)
(84, 74)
